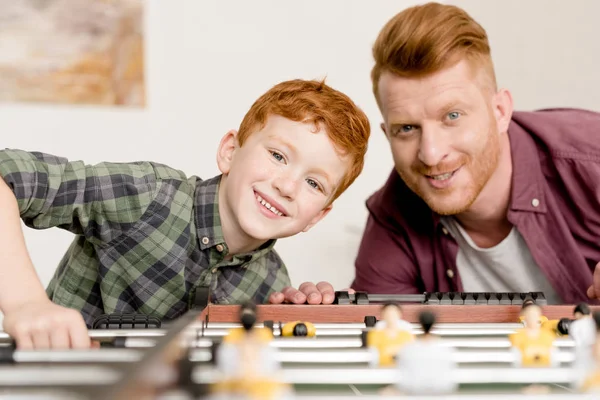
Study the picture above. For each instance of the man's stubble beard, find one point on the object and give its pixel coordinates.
(480, 169)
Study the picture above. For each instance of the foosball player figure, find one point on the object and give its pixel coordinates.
(247, 363)
(583, 329)
(426, 353)
(387, 340)
(591, 383)
(532, 344)
(559, 327)
(298, 329)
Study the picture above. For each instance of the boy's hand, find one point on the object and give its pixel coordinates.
(45, 325)
(321, 293)
(593, 291)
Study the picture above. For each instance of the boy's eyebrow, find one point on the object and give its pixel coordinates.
(325, 175)
(284, 143)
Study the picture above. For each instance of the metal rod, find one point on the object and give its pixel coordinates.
(386, 376)
(20, 376)
(348, 343)
(327, 329)
(362, 356)
(354, 325)
(77, 356)
(470, 332)
(474, 395)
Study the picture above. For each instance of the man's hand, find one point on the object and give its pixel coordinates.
(45, 325)
(321, 293)
(593, 291)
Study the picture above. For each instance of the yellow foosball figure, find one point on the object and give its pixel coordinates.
(298, 329)
(559, 327)
(534, 346)
(389, 339)
(247, 363)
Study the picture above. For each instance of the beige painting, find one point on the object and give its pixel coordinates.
(72, 52)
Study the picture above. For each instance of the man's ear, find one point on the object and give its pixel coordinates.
(503, 109)
(318, 217)
(382, 126)
(226, 151)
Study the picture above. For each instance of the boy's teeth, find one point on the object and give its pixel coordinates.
(268, 206)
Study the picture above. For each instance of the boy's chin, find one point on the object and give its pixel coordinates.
(261, 232)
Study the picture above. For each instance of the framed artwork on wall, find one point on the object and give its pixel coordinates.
(73, 52)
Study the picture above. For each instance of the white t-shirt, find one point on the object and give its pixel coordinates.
(506, 267)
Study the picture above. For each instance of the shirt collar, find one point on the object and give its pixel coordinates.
(527, 176)
(208, 219)
(527, 181)
(206, 208)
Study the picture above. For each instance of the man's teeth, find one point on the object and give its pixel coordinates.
(441, 177)
(268, 206)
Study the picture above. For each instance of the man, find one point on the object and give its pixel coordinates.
(482, 198)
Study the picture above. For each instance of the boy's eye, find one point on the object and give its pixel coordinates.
(313, 183)
(277, 156)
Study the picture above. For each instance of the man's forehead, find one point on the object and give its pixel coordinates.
(403, 92)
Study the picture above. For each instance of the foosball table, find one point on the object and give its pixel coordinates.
(330, 357)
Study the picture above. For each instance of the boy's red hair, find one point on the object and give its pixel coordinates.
(315, 102)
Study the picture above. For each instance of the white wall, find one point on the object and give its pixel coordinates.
(208, 60)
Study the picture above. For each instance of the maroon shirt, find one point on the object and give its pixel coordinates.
(556, 160)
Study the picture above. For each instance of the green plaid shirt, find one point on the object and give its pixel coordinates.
(146, 236)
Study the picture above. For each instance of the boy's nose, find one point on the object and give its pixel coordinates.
(286, 186)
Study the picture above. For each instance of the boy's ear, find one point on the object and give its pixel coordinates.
(226, 150)
(318, 217)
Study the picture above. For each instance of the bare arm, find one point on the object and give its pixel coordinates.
(19, 282)
(30, 317)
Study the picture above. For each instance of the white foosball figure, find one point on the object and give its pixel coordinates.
(583, 332)
(426, 366)
(590, 376)
(247, 364)
(583, 329)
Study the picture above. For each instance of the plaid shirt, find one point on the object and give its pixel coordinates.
(146, 236)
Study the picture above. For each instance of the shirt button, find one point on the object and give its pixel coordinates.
(219, 248)
(535, 202)
(214, 270)
(205, 240)
(445, 231)
(450, 273)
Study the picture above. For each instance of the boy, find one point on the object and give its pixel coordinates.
(148, 237)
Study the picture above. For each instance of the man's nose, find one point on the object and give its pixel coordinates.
(433, 148)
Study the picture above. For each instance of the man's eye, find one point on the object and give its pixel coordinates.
(406, 128)
(453, 115)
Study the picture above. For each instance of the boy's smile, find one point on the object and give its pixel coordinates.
(279, 183)
(270, 207)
